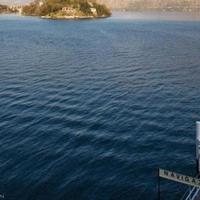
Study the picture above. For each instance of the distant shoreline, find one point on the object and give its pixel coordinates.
(58, 17)
(156, 15)
(128, 15)
(73, 17)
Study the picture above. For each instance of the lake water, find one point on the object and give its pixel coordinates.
(90, 109)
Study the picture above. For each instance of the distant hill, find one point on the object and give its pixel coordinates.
(168, 5)
(173, 5)
(116, 4)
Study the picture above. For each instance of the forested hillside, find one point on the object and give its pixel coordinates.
(66, 8)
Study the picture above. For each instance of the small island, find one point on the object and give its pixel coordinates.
(66, 9)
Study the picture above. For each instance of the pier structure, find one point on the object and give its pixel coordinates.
(193, 193)
(193, 183)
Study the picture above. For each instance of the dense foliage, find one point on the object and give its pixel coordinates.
(48, 7)
(4, 9)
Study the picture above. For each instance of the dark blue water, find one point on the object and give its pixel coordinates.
(90, 109)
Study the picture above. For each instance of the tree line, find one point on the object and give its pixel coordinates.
(46, 7)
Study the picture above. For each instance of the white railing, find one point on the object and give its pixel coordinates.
(191, 194)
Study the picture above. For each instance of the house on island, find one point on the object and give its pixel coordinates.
(94, 11)
(41, 3)
(68, 10)
(92, 8)
(17, 9)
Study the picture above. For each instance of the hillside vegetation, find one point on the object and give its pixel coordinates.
(66, 8)
(4, 9)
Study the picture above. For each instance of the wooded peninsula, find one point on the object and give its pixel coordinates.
(66, 9)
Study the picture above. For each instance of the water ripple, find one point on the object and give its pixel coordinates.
(90, 109)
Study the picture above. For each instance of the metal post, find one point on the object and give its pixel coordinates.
(158, 185)
(198, 147)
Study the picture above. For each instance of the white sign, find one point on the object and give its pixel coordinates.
(188, 180)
